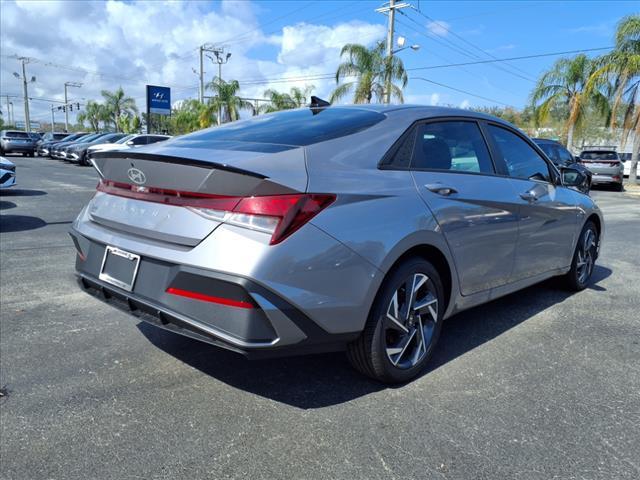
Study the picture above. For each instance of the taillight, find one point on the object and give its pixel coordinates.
(278, 215)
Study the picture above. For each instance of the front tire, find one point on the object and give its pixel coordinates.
(403, 326)
(584, 259)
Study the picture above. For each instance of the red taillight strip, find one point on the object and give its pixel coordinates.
(208, 298)
(169, 197)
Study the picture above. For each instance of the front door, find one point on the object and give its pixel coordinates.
(548, 212)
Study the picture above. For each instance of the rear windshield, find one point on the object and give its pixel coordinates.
(16, 134)
(58, 136)
(292, 127)
(599, 156)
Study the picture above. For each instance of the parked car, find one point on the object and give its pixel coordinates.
(605, 166)
(60, 150)
(77, 152)
(130, 141)
(625, 158)
(342, 227)
(45, 148)
(48, 138)
(14, 141)
(56, 146)
(561, 157)
(7, 173)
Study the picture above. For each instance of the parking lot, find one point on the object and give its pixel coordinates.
(539, 384)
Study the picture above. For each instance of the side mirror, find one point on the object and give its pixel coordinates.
(572, 177)
(130, 143)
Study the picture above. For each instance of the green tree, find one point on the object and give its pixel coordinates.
(191, 115)
(372, 71)
(226, 99)
(94, 113)
(277, 101)
(618, 72)
(300, 96)
(118, 104)
(565, 85)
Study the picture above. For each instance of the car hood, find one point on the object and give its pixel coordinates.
(6, 162)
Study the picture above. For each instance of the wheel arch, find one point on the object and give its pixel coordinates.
(432, 251)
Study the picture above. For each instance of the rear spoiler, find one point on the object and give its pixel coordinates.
(126, 155)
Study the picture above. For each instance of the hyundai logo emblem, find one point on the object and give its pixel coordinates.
(137, 176)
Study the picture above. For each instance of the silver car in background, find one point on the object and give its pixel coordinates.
(15, 141)
(349, 227)
(605, 165)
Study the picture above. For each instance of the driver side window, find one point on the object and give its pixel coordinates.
(522, 161)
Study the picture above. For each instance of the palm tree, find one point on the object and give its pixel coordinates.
(300, 96)
(191, 115)
(620, 71)
(118, 104)
(564, 85)
(277, 101)
(374, 73)
(94, 113)
(226, 101)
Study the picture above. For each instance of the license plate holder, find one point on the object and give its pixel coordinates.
(119, 268)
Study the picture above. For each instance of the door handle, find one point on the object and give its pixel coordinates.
(529, 196)
(440, 189)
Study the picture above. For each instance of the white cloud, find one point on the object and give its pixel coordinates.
(135, 43)
(434, 99)
(465, 103)
(439, 28)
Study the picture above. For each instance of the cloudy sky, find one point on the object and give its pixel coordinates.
(280, 44)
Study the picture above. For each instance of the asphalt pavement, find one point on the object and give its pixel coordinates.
(540, 384)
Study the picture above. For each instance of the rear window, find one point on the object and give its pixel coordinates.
(292, 127)
(599, 155)
(59, 136)
(16, 134)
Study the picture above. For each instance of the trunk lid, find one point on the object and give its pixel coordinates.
(220, 170)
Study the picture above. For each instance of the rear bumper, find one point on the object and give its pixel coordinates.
(10, 147)
(273, 327)
(602, 178)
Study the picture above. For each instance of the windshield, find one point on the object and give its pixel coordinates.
(292, 127)
(16, 134)
(125, 139)
(599, 156)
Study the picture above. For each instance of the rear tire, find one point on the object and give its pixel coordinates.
(584, 259)
(620, 187)
(397, 341)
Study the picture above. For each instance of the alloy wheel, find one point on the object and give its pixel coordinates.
(586, 256)
(410, 321)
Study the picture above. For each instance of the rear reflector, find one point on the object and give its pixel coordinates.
(278, 215)
(208, 298)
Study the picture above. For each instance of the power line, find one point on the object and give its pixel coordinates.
(445, 27)
(460, 90)
(461, 50)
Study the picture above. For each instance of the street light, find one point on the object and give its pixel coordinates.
(401, 41)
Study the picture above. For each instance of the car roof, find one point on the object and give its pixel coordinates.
(547, 140)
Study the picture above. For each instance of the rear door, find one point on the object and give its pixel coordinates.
(548, 212)
(475, 206)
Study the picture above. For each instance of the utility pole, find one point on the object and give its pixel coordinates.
(66, 103)
(27, 120)
(8, 111)
(390, 10)
(53, 120)
(207, 47)
(221, 59)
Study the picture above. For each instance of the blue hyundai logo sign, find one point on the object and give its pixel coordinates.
(159, 100)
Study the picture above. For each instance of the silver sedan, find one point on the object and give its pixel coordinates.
(357, 228)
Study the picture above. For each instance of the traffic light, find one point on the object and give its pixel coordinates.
(59, 107)
(64, 108)
(78, 106)
(71, 107)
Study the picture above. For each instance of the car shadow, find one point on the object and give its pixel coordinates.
(17, 192)
(322, 380)
(6, 205)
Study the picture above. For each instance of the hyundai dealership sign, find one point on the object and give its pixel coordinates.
(159, 100)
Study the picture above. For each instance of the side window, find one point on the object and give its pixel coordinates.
(522, 160)
(565, 157)
(451, 145)
(400, 155)
(142, 140)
